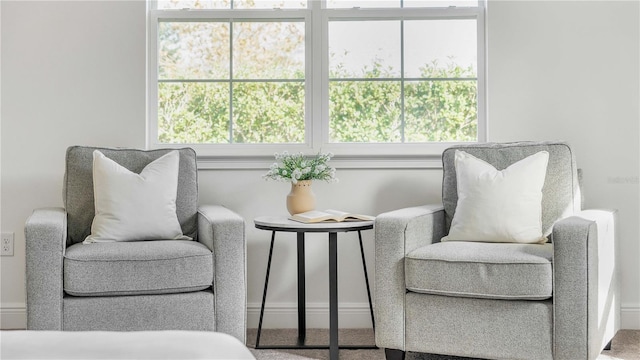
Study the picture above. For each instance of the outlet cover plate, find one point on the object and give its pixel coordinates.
(6, 244)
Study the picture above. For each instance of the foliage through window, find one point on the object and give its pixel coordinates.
(274, 72)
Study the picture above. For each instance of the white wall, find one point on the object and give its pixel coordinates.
(73, 73)
(570, 71)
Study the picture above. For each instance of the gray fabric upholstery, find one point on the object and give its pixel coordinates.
(222, 231)
(560, 193)
(481, 270)
(187, 311)
(78, 186)
(579, 319)
(397, 233)
(585, 300)
(166, 276)
(45, 233)
(140, 267)
(479, 328)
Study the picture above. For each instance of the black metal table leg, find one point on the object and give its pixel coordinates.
(333, 297)
(283, 224)
(366, 279)
(266, 286)
(302, 321)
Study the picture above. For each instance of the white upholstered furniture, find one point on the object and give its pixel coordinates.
(93, 345)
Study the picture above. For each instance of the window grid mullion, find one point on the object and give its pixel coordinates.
(324, 73)
(402, 115)
(405, 79)
(313, 77)
(231, 79)
(227, 80)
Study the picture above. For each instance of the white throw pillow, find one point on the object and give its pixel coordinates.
(130, 206)
(499, 206)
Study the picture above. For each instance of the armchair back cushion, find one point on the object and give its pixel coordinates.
(560, 193)
(78, 186)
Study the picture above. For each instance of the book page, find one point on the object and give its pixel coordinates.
(336, 212)
(313, 214)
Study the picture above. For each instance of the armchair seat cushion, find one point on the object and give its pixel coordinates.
(135, 268)
(481, 270)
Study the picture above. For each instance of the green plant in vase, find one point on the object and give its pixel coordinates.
(301, 170)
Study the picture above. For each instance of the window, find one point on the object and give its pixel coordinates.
(355, 77)
(231, 82)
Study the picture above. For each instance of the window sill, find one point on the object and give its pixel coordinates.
(339, 162)
(346, 156)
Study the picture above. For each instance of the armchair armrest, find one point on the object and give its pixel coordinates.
(396, 234)
(585, 277)
(223, 232)
(45, 237)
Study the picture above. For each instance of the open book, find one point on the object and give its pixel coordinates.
(315, 216)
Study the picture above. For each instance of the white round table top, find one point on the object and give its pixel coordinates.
(283, 223)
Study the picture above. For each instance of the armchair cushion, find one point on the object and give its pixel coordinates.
(133, 207)
(134, 268)
(481, 270)
(499, 205)
(78, 186)
(560, 193)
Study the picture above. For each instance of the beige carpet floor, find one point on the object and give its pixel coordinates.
(626, 346)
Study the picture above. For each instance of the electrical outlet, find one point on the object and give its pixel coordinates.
(6, 244)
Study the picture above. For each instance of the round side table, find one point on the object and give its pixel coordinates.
(283, 224)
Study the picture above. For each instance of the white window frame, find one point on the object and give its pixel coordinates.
(316, 18)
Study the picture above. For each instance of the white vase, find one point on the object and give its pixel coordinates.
(301, 198)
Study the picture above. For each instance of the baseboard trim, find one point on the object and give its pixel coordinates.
(630, 317)
(13, 316)
(285, 315)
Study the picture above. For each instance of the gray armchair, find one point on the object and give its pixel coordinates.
(141, 285)
(557, 300)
